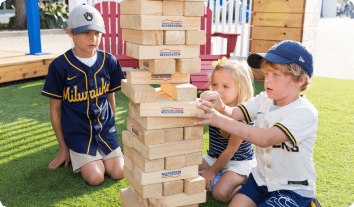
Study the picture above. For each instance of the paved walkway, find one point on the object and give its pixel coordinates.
(334, 53)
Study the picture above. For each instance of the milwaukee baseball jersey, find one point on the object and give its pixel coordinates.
(289, 165)
(86, 115)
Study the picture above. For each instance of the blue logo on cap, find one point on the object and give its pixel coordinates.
(88, 16)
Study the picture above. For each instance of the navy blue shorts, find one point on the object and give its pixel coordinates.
(263, 198)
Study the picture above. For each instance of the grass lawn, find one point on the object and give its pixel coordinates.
(28, 144)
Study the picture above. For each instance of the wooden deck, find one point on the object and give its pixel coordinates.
(18, 66)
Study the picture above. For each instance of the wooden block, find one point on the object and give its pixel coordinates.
(192, 205)
(138, 93)
(145, 136)
(151, 123)
(162, 52)
(173, 134)
(284, 20)
(308, 34)
(169, 149)
(195, 132)
(188, 65)
(159, 66)
(309, 45)
(170, 109)
(137, 144)
(127, 138)
(128, 163)
(180, 92)
(147, 165)
(143, 37)
(194, 158)
(145, 191)
(286, 6)
(172, 187)
(187, 0)
(194, 185)
(174, 37)
(310, 20)
(175, 162)
(277, 19)
(147, 22)
(195, 37)
(141, 7)
(172, 8)
(261, 46)
(128, 198)
(142, 76)
(276, 33)
(193, 9)
(164, 175)
(182, 199)
(128, 152)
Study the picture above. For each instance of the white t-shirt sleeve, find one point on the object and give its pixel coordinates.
(299, 124)
(251, 107)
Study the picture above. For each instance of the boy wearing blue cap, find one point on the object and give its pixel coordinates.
(285, 132)
(80, 86)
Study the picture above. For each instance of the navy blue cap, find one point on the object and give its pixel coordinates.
(286, 51)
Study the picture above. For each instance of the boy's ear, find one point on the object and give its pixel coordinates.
(69, 32)
(302, 80)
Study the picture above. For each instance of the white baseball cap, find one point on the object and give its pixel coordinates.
(85, 17)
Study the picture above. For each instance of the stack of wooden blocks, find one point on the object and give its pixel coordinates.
(277, 20)
(162, 147)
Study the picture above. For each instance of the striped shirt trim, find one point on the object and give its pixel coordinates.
(51, 94)
(245, 113)
(287, 132)
(114, 88)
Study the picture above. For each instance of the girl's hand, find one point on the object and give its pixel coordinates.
(209, 179)
(214, 98)
(210, 118)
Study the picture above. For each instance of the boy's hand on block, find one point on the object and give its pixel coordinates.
(209, 179)
(214, 98)
(210, 117)
(62, 157)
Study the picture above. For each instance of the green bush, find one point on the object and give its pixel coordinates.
(53, 16)
(4, 25)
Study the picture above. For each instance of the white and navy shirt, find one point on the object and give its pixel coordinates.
(217, 144)
(86, 115)
(289, 165)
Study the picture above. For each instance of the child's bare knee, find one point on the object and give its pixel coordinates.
(221, 196)
(94, 179)
(117, 175)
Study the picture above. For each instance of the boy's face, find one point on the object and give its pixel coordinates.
(279, 87)
(85, 43)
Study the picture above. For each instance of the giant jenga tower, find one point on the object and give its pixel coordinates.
(162, 147)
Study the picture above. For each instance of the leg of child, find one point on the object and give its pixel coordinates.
(204, 165)
(228, 185)
(93, 172)
(241, 200)
(114, 167)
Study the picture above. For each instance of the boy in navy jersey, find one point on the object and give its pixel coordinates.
(80, 86)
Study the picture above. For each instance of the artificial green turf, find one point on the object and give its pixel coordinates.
(28, 144)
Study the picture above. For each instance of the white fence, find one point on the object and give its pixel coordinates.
(229, 17)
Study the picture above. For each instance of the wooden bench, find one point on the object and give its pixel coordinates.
(18, 66)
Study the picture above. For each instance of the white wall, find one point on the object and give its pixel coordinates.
(329, 8)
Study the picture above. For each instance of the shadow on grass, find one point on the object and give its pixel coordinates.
(26, 180)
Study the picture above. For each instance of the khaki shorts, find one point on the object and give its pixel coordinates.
(79, 159)
(239, 167)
